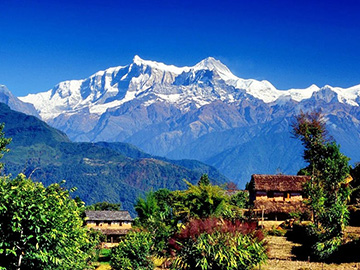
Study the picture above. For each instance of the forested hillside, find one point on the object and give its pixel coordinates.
(100, 171)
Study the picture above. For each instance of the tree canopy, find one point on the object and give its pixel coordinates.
(41, 227)
(328, 191)
(104, 206)
(3, 143)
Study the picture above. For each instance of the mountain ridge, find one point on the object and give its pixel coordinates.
(201, 112)
(170, 74)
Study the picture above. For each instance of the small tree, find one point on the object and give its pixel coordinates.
(200, 201)
(133, 253)
(328, 190)
(155, 216)
(204, 180)
(41, 228)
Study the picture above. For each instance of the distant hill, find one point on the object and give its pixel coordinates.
(114, 172)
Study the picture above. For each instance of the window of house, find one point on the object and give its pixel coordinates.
(270, 194)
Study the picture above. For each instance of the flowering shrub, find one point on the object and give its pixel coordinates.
(218, 244)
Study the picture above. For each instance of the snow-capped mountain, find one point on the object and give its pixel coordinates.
(16, 104)
(207, 81)
(201, 112)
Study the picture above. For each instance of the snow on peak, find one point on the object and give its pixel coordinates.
(137, 59)
(211, 63)
(349, 95)
(115, 86)
(158, 65)
(300, 94)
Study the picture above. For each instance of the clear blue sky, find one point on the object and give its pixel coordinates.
(290, 43)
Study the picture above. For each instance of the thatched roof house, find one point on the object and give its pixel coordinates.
(277, 193)
(113, 224)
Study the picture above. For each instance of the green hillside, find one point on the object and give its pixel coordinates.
(114, 172)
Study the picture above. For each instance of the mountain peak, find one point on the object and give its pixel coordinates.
(137, 60)
(210, 63)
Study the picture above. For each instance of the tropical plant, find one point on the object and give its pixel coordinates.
(200, 201)
(218, 244)
(155, 215)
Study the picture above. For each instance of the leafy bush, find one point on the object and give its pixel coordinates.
(218, 244)
(41, 228)
(133, 253)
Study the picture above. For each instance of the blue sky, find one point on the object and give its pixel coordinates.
(290, 43)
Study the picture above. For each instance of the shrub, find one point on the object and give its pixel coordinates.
(133, 253)
(218, 244)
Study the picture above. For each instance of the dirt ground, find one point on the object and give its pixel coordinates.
(280, 257)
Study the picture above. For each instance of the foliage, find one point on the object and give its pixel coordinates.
(328, 190)
(164, 212)
(41, 227)
(240, 199)
(147, 208)
(200, 201)
(133, 253)
(105, 206)
(3, 143)
(355, 173)
(218, 244)
(204, 180)
(155, 215)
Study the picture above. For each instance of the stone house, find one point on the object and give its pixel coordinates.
(277, 195)
(113, 224)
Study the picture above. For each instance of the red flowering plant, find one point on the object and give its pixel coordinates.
(215, 243)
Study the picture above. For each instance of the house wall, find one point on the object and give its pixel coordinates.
(278, 196)
(261, 195)
(112, 225)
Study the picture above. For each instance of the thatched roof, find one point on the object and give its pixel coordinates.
(280, 183)
(108, 215)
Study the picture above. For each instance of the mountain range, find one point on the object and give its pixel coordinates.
(203, 112)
